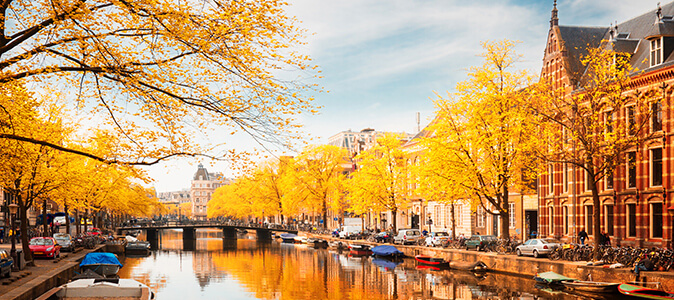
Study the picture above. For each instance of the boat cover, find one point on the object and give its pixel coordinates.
(100, 258)
(550, 277)
(288, 235)
(386, 250)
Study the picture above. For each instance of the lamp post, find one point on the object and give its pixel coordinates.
(12, 215)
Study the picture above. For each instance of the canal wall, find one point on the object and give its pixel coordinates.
(55, 277)
(528, 266)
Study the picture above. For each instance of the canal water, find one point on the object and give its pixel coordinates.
(247, 269)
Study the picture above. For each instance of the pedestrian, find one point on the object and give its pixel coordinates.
(607, 238)
(582, 235)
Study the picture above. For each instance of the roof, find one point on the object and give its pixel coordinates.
(577, 39)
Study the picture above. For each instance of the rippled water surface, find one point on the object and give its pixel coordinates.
(247, 269)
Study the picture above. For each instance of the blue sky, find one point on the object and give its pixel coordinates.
(383, 60)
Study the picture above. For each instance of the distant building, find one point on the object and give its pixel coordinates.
(203, 186)
(356, 142)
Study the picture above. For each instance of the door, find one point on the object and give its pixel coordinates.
(530, 223)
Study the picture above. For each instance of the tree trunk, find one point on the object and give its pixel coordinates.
(23, 216)
(325, 213)
(65, 210)
(394, 222)
(504, 213)
(45, 225)
(453, 222)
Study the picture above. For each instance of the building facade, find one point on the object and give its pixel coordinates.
(202, 187)
(635, 198)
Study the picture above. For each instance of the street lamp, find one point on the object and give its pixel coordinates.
(12, 216)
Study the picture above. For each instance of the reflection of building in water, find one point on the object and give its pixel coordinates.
(204, 268)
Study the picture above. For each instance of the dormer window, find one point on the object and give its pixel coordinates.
(656, 51)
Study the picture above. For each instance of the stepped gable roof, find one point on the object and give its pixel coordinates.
(576, 40)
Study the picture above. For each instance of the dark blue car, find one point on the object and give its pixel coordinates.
(6, 263)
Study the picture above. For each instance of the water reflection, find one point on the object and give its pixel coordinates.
(248, 269)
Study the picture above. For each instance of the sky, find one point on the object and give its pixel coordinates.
(384, 61)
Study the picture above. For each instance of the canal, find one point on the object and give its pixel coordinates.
(247, 269)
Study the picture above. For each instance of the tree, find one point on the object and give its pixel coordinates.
(158, 74)
(380, 182)
(479, 137)
(581, 129)
(316, 175)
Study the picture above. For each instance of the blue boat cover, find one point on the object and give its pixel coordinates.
(288, 235)
(100, 258)
(386, 250)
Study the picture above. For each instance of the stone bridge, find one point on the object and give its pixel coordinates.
(189, 231)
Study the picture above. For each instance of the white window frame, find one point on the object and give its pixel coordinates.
(551, 220)
(628, 121)
(480, 217)
(655, 57)
(651, 165)
(565, 219)
(565, 179)
(551, 179)
(627, 169)
(658, 114)
(512, 215)
(651, 219)
(628, 212)
(608, 178)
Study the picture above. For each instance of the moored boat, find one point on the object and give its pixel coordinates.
(103, 263)
(435, 262)
(591, 286)
(643, 292)
(288, 237)
(387, 251)
(105, 288)
(338, 245)
(552, 278)
(477, 266)
(359, 249)
(134, 246)
(317, 243)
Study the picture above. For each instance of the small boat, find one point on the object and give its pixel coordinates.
(643, 292)
(317, 243)
(359, 249)
(134, 246)
(435, 262)
(477, 266)
(387, 251)
(338, 245)
(288, 237)
(591, 286)
(385, 264)
(300, 239)
(552, 278)
(104, 288)
(103, 263)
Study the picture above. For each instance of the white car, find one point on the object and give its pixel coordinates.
(435, 239)
(537, 247)
(407, 236)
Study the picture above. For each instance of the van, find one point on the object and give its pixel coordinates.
(407, 236)
(349, 232)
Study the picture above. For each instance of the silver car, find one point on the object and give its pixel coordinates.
(407, 236)
(435, 239)
(537, 247)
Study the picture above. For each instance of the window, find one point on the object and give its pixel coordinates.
(631, 121)
(631, 220)
(656, 51)
(608, 180)
(589, 181)
(458, 214)
(551, 183)
(480, 217)
(608, 222)
(656, 117)
(438, 214)
(656, 220)
(656, 167)
(589, 218)
(565, 178)
(551, 220)
(511, 213)
(448, 215)
(631, 169)
(608, 119)
(566, 220)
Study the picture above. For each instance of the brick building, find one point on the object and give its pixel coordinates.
(636, 199)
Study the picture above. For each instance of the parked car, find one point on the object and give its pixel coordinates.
(407, 236)
(6, 263)
(349, 232)
(44, 246)
(435, 239)
(479, 242)
(65, 241)
(537, 247)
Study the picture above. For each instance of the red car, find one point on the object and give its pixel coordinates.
(44, 246)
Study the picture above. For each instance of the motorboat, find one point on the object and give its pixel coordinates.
(359, 249)
(387, 251)
(477, 266)
(135, 246)
(102, 288)
(103, 263)
(591, 286)
(552, 278)
(435, 262)
(317, 243)
(643, 292)
(288, 237)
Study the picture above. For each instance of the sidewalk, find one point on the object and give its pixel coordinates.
(32, 276)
